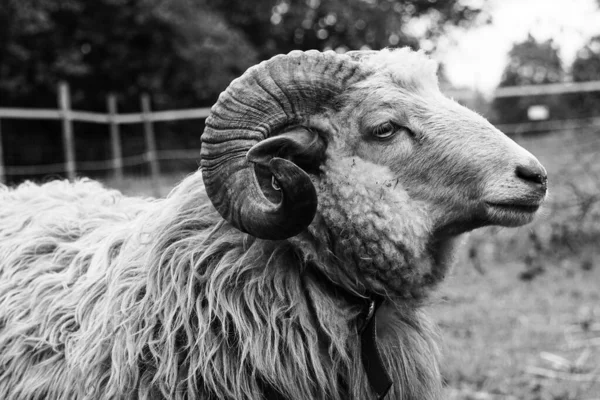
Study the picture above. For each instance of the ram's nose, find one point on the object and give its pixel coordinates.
(533, 173)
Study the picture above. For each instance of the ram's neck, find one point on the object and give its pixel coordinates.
(380, 238)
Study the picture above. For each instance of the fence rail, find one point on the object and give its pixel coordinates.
(101, 118)
(550, 125)
(549, 88)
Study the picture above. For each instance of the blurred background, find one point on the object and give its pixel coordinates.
(118, 90)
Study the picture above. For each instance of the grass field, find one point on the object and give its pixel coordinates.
(520, 313)
(505, 338)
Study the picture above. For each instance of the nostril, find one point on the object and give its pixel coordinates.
(532, 173)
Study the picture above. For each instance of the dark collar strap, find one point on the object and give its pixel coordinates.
(378, 377)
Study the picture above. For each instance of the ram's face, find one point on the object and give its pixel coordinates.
(463, 171)
(365, 139)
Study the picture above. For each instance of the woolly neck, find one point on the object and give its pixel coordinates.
(371, 237)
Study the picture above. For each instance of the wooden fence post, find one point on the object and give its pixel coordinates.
(64, 102)
(2, 172)
(115, 138)
(150, 143)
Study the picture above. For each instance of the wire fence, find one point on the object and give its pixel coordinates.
(114, 120)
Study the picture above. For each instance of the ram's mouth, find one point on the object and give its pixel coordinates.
(515, 207)
(511, 214)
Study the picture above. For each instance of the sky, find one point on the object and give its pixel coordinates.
(477, 57)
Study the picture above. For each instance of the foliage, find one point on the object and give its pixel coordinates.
(180, 51)
(586, 67)
(184, 52)
(342, 24)
(530, 63)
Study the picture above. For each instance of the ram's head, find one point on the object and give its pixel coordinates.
(367, 142)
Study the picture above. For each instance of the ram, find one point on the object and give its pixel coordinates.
(294, 264)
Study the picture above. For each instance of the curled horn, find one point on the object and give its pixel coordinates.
(255, 149)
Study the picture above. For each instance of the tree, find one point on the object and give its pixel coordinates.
(284, 25)
(178, 50)
(586, 67)
(530, 63)
(185, 52)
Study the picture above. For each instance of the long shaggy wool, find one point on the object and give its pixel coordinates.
(108, 297)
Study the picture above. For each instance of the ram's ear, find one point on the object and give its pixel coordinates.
(303, 146)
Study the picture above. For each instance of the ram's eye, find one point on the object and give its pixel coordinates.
(385, 130)
(388, 129)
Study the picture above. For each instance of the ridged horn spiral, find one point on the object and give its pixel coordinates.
(267, 99)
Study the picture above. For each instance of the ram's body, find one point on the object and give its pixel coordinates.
(104, 296)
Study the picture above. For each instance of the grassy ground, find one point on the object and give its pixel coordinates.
(502, 334)
(520, 314)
